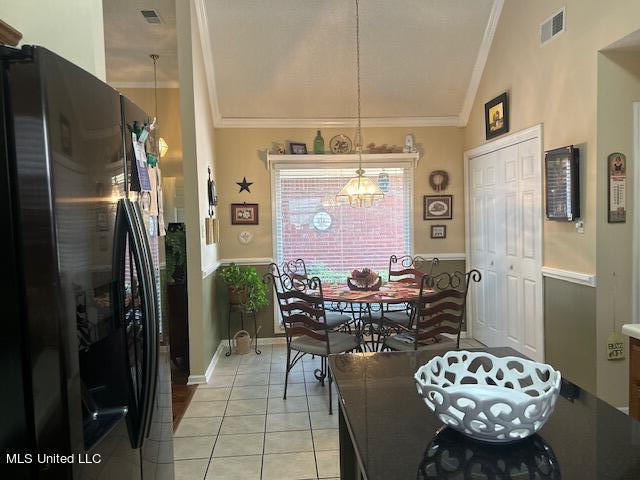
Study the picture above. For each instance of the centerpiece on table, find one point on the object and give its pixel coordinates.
(365, 279)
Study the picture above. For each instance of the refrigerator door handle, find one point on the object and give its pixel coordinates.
(148, 304)
(151, 328)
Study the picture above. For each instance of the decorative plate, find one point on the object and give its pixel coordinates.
(340, 144)
(488, 398)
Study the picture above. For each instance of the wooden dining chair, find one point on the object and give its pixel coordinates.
(297, 271)
(301, 304)
(440, 310)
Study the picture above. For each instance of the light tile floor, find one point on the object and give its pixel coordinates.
(239, 427)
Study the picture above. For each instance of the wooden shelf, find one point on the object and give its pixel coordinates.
(329, 158)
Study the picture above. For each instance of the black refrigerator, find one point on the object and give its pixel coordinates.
(86, 380)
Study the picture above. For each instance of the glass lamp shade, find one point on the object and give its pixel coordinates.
(360, 191)
(163, 147)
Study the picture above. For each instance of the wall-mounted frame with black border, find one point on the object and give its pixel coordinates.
(438, 232)
(437, 207)
(617, 188)
(562, 184)
(496, 116)
(244, 214)
(297, 148)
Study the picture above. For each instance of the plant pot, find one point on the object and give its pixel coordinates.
(178, 274)
(237, 296)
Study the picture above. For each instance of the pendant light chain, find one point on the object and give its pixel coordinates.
(359, 133)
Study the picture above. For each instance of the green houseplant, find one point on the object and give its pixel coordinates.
(245, 286)
(176, 251)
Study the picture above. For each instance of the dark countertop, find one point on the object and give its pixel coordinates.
(394, 432)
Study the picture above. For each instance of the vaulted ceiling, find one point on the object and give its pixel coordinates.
(292, 62)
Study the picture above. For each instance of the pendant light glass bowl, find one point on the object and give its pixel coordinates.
(360, 191)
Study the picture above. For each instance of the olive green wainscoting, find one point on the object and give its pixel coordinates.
(570, 330)
(265, 316)
(213, 326)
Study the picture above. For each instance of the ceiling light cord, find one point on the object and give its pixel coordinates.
(155, 58)
(359, 132)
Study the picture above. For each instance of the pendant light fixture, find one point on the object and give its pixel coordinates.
(163, 147)
(359, 191)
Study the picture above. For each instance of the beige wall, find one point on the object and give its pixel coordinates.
(241, 153)
(558, 85)
(71, 28)
(197, 133)
(618, 88)
(555, 85)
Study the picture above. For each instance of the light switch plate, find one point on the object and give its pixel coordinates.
(580, 226)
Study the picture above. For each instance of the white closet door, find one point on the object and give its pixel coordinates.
(485, 238)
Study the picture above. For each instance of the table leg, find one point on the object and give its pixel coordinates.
(228, 333)
(348, 461)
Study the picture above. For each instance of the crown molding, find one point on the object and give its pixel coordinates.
(226, 122)
(481, 61)
(165, 84)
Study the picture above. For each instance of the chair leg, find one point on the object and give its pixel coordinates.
(286, 374)
(330, 397)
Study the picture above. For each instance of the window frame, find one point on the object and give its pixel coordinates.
(275, 163)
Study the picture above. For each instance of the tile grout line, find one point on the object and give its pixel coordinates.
(313, 443)
(266, 413)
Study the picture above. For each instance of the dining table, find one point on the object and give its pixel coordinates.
(368, 306)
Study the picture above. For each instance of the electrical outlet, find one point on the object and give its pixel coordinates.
(580, 226)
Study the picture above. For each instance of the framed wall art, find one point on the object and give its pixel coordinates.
(617, 186)
(496, 116)
(562, 186)
(297, 148)
(438, 207)
(438, 231)
(244, 214)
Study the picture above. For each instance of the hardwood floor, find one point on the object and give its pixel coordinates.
(181, 395)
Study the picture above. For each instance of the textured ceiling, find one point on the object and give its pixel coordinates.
(296, 59)
(129, 40)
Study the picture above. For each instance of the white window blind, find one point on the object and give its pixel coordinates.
(335, 239)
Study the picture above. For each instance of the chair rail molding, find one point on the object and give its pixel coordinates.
(586, 279)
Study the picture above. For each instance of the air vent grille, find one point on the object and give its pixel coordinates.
(552, 27)
(150, 16)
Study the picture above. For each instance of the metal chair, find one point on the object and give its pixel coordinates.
(297, 271)
(302, 308)
(403, 269)
(440, 310)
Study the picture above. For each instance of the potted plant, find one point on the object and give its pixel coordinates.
(176, 250)
(245, 286)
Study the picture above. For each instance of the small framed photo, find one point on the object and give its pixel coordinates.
(438, 231)
(297, 148)
(496, 116)
(438, 207)
(244, 214)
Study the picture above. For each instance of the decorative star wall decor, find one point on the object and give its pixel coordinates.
(244, 185)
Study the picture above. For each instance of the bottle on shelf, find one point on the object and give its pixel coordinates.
(318, 144)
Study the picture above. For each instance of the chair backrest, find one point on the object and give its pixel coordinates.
(296, 269)
(442, 304)
(301, 304)
(408, 269)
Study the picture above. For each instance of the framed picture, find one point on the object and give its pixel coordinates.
(617, 183)
(244, 214)
(496, 116)
(438, 207)
(562, 188)
(297, 148)
(438, 231)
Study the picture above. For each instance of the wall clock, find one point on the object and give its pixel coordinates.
(321, 221)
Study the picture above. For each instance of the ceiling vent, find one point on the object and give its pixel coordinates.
(552, 26)
(151, 16)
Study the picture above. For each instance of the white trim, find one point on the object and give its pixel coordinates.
(635, 270)
(481, 61)
(266, 122)
(246, 261)
(198, 379)
(443, 256)
(518, 137)
(207, 59)
(587, 279)
(209, 269)
(314, 161)
(164, 84)
(624, 410)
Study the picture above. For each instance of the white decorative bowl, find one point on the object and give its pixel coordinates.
(489, 398)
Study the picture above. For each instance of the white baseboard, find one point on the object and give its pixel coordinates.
(199, 379)
(624, 410)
